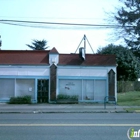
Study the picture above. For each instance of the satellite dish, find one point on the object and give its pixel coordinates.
(82, 53)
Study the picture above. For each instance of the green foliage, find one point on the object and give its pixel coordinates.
(64, 96)
(126, 86)
(74, 97)
(20, 100)
(128, 16)
(129, 98)
(38, 44)
(128, 65)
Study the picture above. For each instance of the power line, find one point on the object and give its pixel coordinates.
(38, 24)
(59, 23)
(54, 27)
(79, 18)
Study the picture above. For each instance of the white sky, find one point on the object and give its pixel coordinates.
(65, 38)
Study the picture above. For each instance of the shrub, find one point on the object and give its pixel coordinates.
(64, 96)
(74, 97)
(20, 100)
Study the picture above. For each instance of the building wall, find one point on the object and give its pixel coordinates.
(21, 80)
(87, 71)
(19, 86)
(90, 83)
(24, 70)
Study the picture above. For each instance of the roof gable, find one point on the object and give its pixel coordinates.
(53, 51)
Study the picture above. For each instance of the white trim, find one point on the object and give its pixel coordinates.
(26, 71)
(24, 66)
(86, 67)
(82, 89)
(15, 87)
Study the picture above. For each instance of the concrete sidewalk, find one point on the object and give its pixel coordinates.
(61, 108)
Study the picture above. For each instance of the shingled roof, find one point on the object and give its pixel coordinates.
(30, 57)
(91, 60)
(22, 57)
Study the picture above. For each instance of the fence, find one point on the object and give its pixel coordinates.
(125, 86)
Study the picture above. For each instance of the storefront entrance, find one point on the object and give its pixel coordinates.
(42, 90)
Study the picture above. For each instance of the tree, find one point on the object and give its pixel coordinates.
(128, 16)
(38, 44)
(128, 65)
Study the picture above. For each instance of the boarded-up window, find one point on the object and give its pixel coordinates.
(71, 87)
(99, 89)
(7, 88)
(25, 87)
(88, 89)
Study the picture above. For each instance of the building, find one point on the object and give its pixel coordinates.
(45, 74)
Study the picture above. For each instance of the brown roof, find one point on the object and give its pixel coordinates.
(90, 60)
(24, 57)
(53, 51)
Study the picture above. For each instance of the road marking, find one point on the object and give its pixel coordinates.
(67, 125)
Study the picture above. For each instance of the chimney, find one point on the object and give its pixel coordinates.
(82, 53)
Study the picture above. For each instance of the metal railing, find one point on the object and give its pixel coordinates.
(109, 97)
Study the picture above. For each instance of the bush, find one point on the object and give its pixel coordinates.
(20, 100)
(64, 96)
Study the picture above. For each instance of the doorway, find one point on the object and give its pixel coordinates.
(42, 90)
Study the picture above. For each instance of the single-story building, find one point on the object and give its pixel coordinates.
(45, 74)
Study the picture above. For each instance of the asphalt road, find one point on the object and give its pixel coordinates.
(67, 126)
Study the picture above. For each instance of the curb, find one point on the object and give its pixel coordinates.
(44, 112)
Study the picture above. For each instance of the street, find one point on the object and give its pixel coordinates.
(67, 126)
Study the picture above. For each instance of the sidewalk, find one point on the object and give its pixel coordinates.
(61, 108)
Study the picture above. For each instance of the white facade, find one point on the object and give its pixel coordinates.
(43, 82)
(83, 71)
(21, 80)
(24, 70)
(89, 83)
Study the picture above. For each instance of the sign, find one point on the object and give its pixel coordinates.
(70, 84)
(131, 133)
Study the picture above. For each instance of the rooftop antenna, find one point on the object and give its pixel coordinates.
(84, 39)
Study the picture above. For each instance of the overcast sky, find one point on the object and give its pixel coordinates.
(65, 38)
